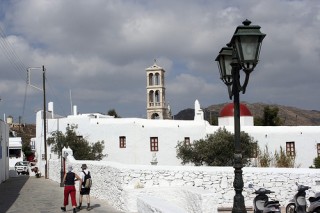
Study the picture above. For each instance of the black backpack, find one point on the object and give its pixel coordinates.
(87, 183)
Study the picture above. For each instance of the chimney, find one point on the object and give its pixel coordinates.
(50, 109)
(75, 110)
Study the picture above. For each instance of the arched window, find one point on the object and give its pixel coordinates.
(150, 79)
(157, 96)
(157, 79)
(151, 94)
(155, 116)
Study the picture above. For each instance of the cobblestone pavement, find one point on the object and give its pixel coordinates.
(28, 194)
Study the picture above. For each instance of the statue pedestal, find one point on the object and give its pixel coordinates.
(154, 162)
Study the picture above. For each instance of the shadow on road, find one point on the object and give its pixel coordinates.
(10, 190)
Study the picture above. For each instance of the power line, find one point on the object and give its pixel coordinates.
(15, 61)
(11, 54)
(20, 68)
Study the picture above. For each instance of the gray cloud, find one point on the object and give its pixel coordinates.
(100, 49)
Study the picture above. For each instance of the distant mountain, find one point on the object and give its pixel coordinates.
(186, 114)
(291, 116)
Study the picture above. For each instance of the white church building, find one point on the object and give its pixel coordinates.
(141, 172)
(153, 140)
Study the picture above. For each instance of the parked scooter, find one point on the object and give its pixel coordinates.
(261, 202)
(299, 204)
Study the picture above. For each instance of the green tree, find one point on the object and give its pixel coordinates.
(81, 148)
(316, 162)
(26, 147)
(270, 117)
(215, 150)
(210, 116)
(258, 121)
(283, 160)
(112, 112)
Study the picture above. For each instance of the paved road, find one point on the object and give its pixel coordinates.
(28, 194)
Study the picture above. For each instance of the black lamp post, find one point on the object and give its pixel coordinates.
(242, 53)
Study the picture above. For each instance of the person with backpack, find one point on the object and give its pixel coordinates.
(85, 186)
(69, 179)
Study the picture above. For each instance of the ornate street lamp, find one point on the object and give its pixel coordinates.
(242, 53)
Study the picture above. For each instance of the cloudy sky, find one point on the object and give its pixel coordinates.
(99, 50)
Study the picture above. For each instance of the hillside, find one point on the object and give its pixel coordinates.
(291, 116)
(28, 130)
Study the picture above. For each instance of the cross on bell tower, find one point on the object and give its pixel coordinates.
(156, 102)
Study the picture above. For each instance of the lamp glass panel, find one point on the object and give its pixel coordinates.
(248, 49)
(228, 67)
(220, 69)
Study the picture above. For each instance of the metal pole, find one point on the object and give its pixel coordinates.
(45, 122)
(238, 200)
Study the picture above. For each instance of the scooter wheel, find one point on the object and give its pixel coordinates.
(290, 208)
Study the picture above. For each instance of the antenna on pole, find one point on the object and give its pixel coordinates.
(29, 77)
(71, 103)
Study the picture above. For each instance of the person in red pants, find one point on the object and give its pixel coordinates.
(69, 179)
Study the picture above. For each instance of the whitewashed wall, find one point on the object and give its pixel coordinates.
(15, 143)
(4, 159)
(138, 132)
(121, 184)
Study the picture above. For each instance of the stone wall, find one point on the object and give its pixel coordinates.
(121, 184)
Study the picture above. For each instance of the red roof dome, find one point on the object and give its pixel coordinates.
(228, 110)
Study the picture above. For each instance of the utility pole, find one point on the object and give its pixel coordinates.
(44, 111)
(45, 121)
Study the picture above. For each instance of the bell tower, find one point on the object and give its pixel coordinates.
(156, 97)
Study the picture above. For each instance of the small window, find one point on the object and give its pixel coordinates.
(33, 145)
(187, 141)
(122, 142)
(154, 144)
(318, 149)
(14, 153)
(290, 149)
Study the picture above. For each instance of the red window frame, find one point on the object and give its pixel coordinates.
(154, 144)
(290, 149)
(122, 142)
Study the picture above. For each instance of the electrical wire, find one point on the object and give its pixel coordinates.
(15, 61)
(21, 69)
(13, 58)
